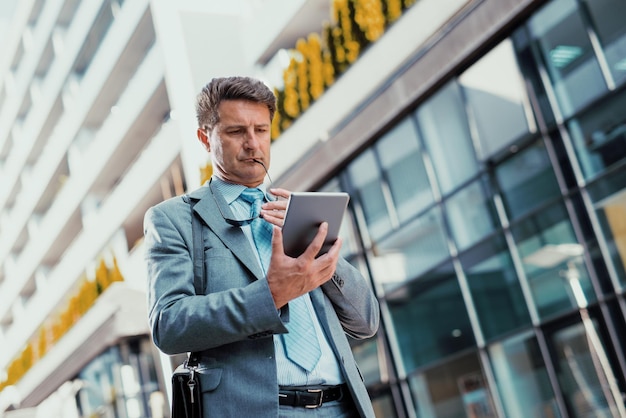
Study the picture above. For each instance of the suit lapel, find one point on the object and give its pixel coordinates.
(232, 237)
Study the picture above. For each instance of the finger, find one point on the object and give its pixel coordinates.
(278, 192)
(275, 218)
(316, 245)
(277, 241)
(278, 205)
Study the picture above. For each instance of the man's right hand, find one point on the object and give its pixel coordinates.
(289, 278)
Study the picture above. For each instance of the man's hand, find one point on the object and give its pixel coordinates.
(290, 277)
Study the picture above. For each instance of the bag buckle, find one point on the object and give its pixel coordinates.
(319, 398)
(192, 381)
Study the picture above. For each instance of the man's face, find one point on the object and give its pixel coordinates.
(241, 136)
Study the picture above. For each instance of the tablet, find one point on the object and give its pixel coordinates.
(305, 212)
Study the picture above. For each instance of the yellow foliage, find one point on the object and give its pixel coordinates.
(316, 66)
(115, 273)
(302, 67)
(290, 79)
(275, 133)
(394, 10)
(206, 172)
(369, 16)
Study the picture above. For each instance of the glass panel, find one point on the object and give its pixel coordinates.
(455, 389)
(522, 379)
(495, 289)
(546, 244)
(443, 123)
(495, 93)
(578, 349)
(410, 251)
(527, 180)
(600, 136)
(364, 175)
(471, 213)
(430, 318)
(383, 405)
(609, 200)
(367, 357)
(562, 40)
(527, 62)
(402, 162)
(607, 18)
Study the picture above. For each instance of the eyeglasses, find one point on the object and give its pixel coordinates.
(239, 222)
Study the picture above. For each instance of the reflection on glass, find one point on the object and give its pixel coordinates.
(496, 292)
(599, 136)
(410, 250)
(527, 180)
(522, 378)
(430, 318)
(456, 389)
(444, 125)
(538, 239)
(366, 356)
(577, 374)
(562, 40)
(402, 163)
(383, 406)
(495, 94)
(364, 176)
(121, 382)
(471, 213)
(607, 19)
(609, 197)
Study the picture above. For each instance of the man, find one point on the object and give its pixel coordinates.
(255, 300)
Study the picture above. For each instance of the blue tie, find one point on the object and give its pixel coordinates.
(300, 342)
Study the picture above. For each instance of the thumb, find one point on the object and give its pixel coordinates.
(277, 241)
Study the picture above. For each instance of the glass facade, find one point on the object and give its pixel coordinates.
(491, 220)
(121, 382)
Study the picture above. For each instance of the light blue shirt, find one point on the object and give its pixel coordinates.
(327, 371)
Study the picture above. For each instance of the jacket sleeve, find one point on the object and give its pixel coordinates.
(182, 321)
(353, 300)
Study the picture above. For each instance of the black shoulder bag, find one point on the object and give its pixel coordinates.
(186, 391)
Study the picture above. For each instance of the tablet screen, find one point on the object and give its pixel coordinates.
(305, 212)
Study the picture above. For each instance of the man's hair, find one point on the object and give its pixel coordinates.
(230, 88)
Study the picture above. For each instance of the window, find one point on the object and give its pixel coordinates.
(497, 100)
(599, 136)
(455, 389)
(370, 193)
(609, 201)
(495, 289)
(607, 20)
(410, 251)
(444, 125)
(544, 241)
(471, 213)
(430, 318)
(527, 180)
(402, 163)
(562, 40)
(522, 378)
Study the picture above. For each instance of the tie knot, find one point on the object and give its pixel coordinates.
(252, 195)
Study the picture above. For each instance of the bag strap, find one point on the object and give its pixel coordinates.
(198, 248)
(197, 256)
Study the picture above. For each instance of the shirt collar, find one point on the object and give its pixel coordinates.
(231, 191)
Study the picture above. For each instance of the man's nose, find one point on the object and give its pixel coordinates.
(252, 139)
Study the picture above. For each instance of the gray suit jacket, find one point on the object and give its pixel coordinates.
(233, 323)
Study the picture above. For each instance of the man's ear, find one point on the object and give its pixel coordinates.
(204, 139)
